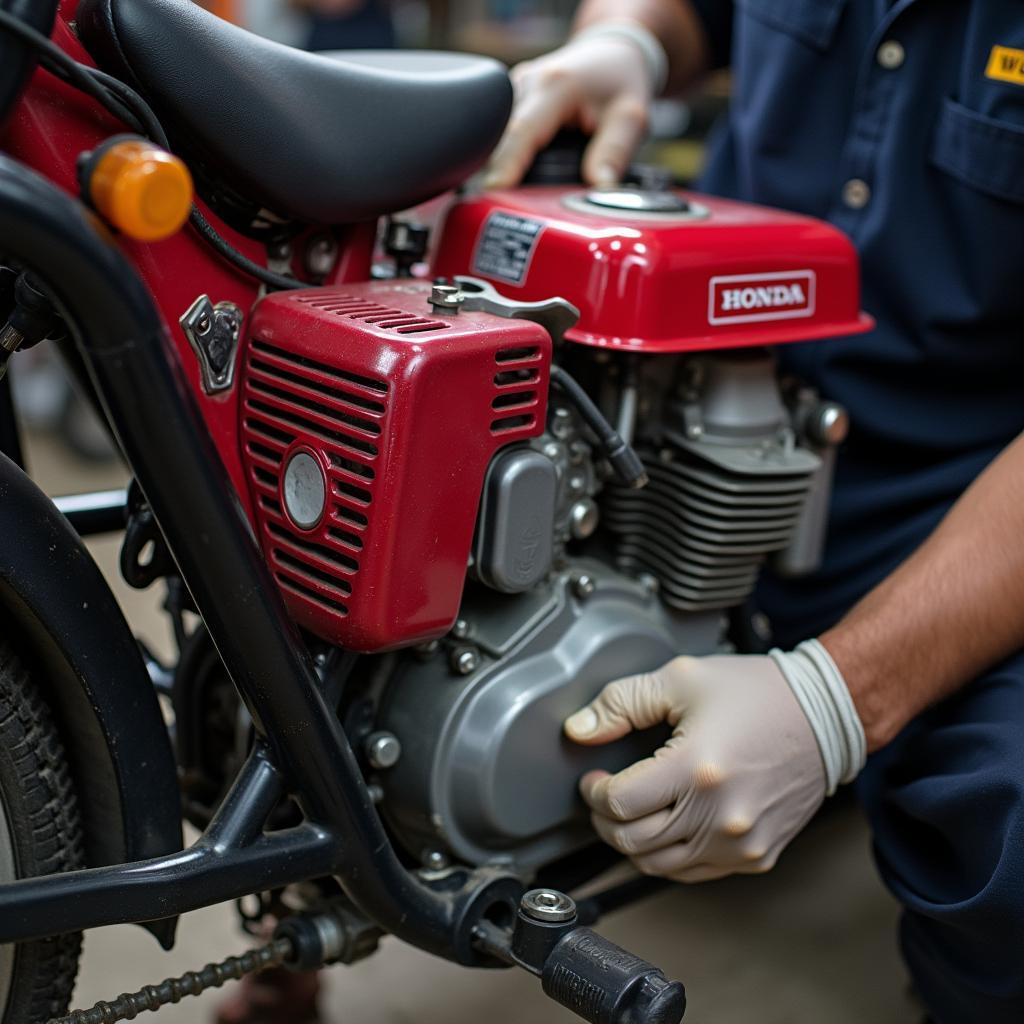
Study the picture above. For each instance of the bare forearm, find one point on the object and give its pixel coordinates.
(953, 609)
(674, 22)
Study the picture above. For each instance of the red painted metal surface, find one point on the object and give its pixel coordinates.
(403, 410)
(740, 276)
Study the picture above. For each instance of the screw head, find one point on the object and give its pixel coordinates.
(831, 424)
(583, 586)
(461, 629)
(383, 749)
(583, 518)
(649, 582)
(548, 905)
(465, 661)
(204, 325)
(561, 423)
(435, 860)
(446, 298)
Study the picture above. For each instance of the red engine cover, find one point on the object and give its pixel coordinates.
(402, 411)
(726, 275)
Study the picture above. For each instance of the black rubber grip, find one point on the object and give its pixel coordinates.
(605, 984)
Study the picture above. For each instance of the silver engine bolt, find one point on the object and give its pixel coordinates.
(830, 424)
(561, 423)
(435, 860)
(465, 661)
(548, 905)
(583, 518)
(461, 629)
(446, 298)
(383, 749)
(583, 586)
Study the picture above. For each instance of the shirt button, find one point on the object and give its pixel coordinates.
(856, 193)
(891, 54)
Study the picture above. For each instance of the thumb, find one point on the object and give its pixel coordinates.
(637, 702)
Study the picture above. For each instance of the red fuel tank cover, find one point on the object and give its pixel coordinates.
(697, 273)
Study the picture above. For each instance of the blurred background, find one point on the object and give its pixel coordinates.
(813, 942)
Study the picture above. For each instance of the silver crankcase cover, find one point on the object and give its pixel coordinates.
(486, 774)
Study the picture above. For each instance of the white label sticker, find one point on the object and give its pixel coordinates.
(506, 246)
(743, 298)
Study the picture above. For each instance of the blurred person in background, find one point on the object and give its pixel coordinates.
(348, 24)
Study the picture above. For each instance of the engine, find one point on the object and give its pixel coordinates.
(428, 491)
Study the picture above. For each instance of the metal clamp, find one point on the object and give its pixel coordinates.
(213, 332)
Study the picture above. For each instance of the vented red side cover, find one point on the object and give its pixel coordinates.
(402, 410)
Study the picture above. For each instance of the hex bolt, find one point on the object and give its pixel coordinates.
(561, 423)
(649, 582)
(584, 518)
(829, 424)
(461, 629)
(553, 451)
(383, 749)
(548, 905)
(583, 586)
(465, 660)
(435, 860)
(446, 298)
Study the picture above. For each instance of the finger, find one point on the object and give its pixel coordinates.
(544, 108)
(702, 873)
(637, 702)
(643, 788)
(669, 862)
(645, 835)
(619, 134)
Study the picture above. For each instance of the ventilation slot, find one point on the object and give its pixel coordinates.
(508, 378)
(512, 423)
(384, 318)
(516, 355)
(342, 562)
(335, 607)
(514, 400)
(344, 376)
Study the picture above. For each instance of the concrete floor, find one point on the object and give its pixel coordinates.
(811, 943)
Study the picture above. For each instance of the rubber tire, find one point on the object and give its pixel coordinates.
(46, 834)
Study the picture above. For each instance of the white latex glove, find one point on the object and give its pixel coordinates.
(744, 770)
(604, 80)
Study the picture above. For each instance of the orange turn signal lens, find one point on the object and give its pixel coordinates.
(141, 189)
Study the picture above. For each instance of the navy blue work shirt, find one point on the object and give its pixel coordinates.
(902, 124)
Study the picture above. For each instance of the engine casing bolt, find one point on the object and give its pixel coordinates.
(583, 586)
(561, 423)
(465, 660)
(461, 629)
(435, 860)
(583, 518)
(383, 749)
(548, 905)
(446, 298)
(649, 582)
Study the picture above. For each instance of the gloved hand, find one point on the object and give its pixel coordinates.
(604, 79)
(758, 741)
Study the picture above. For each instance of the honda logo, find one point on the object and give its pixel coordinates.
(743, 298)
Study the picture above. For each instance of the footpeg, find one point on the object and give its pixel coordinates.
(596, 979)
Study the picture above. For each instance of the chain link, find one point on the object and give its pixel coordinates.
(130, 1004)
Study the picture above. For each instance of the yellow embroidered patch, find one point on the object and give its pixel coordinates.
(1006, 65)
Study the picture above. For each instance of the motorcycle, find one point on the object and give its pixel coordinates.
(411, 509)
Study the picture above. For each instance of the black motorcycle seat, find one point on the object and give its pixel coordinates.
(327, 139)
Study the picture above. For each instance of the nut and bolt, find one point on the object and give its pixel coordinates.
(548, 906)
(583, 518)
(435, 860)
(829, 424)
(649, 582)
(383, 749)
(465, 660)
(583, 586)
(561, 423)
(553, 451)
(446, 298)
(461, 629)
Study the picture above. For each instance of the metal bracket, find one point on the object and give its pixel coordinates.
(213, 332)
(555, 315)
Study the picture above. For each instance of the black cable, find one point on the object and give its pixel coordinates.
(127, 105)
(624, 460)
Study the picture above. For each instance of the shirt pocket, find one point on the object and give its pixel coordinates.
(983, 152)
(811, 21)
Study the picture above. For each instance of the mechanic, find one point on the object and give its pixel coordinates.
(902, 123)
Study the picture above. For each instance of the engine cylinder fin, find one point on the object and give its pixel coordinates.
(702, 530)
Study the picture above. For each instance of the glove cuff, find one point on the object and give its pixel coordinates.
(643, 38)
(821, 692)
